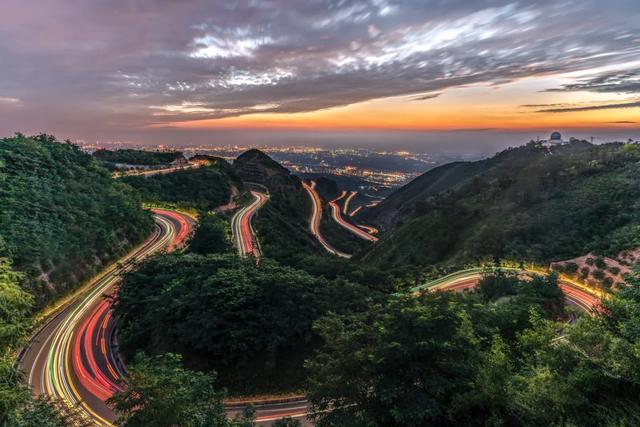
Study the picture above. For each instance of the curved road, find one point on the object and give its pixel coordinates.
(575, 293)
(71, 358)
(316, 217)
(337, 217)
(345, 207)
(244, 236)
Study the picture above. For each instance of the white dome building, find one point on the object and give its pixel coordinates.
(554, 139)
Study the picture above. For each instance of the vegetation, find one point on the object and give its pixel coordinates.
(447, 359)
(162, 393)
(78, 217)
(203, 188)
(17, 409)
(251, 324)
(212, 235)
(526, 203)
(62, 217)
(138, 157)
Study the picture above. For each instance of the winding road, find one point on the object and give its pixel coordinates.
(244, 236)
(316, 217)
(71, 358)
(345, 207)
(575, 293)
(337, 217)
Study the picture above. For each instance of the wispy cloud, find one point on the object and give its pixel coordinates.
(635, 104)
(130, 64)
(612, 82)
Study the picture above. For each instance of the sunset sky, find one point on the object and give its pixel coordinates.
(455, 75)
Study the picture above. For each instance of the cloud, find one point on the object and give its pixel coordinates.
(635, 104)
(131, 64)
(612, 82)
(623, 122)
(8, 103)
(426, 97)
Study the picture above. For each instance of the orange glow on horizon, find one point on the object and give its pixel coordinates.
(465, 108)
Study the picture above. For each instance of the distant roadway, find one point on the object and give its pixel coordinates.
(337, 217)
(575, 293)
(149, 172)
(244, 236)
(316, 217)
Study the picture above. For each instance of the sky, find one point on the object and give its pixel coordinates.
(466, 76)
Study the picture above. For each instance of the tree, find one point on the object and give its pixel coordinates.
(211, 235)
(250, 324)
(161, 393)
(15, 307)
(406, 364)
(44, 412)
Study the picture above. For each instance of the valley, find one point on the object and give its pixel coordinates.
(271, 288)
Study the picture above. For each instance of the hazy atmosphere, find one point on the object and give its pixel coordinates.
(464, 76)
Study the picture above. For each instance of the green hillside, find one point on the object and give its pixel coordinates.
(282, 224)
(203, 188)
(411, 196)
(62, 215)
(525, 203)
(137, 157)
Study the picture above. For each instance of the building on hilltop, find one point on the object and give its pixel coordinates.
(554, 140)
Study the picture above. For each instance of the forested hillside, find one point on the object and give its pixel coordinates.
(527, 203)
(204, 188)
(411, 197)
(62, 215)
(251, 324)
(137, 157)
(282, 224)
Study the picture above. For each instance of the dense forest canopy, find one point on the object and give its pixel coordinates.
(62, 214)
(501, 356)
(137, 157)
(204, 188)
(529, 203)
(251, 324)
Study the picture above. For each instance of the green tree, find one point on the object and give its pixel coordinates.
(43, 412)
(211, 235)
(15, 307)
(406, 364)
(161, 393)
(250, 324)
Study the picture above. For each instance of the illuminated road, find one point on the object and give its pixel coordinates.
(71, 357)
(337, 217)
(574, 293)
(345, 207)
(368, 229)
(316, 217)
(151, 172)
(244, 236)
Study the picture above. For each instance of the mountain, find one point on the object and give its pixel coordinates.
(62, 214)
(282, 224)
(527, 203)
(407, 199)
(204, 188)
(138, 157)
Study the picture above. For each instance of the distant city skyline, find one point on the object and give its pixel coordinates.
(460, 76)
